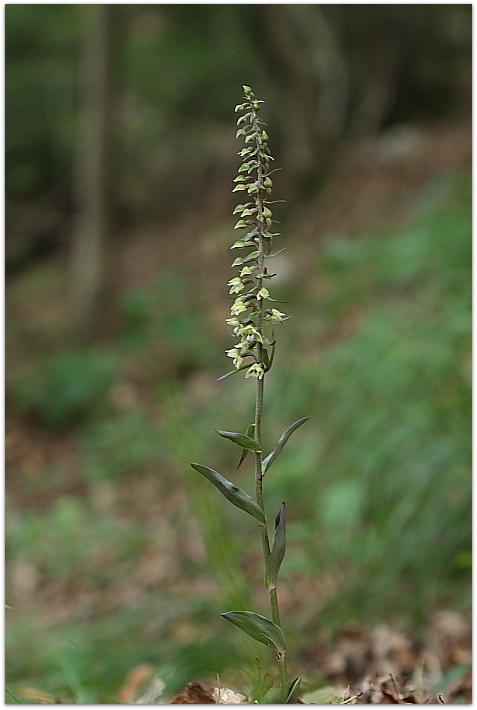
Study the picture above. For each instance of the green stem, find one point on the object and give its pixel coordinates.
(281, 659)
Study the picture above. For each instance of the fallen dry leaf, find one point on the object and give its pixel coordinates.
(194, 694)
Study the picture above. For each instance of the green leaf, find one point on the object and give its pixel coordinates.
(267, 462)
(241, 224)
(233, 372)
(278, 550)
(243, 455)
(276, 253)
(293, 690)
(237, 497)
(268, 358)
(11, 696)
(258, 627)
(246, 442)
(240, 186)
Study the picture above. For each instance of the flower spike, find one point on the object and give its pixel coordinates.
(255, 216)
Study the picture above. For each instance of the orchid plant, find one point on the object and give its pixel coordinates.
(252, 318)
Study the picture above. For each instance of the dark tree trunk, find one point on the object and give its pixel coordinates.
(90, 279)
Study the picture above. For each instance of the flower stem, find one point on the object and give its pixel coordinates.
(280, 656)
(281, 659)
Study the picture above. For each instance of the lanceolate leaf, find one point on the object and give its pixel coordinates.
(258, 627)
(232, 493)
(293, 690)
(278, 550)
(233, 372)
(249, 433)
(267, 462)
(246, 442)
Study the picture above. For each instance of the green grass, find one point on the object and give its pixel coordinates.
(377, 483)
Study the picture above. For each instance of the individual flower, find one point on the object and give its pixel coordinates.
(238, 307)
(236, 285)
(275, 316)
(250, 333)
(256, 370)
(237, 356)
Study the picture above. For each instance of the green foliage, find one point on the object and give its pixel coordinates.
(168, 311)
(69, 540)
(378, 485)
(258, 627)
(268, 460)
(278, 550)
(244, 441)
(382, 362)
(91, 657)
(233, 494)
(40, 53)
(127, 443)
(176, 76)
(66, 387)
(293, 692)
(385, 478)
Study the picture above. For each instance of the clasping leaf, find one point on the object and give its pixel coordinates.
(237, 497)
(267, 462)
(258, 627)
(250, 431)
(243, 440)
(293, 690)
(278, 550)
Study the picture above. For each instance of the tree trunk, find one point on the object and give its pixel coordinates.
(93, 169)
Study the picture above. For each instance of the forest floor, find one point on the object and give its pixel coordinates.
(372, 185)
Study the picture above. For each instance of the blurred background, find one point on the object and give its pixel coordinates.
(120, 154)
